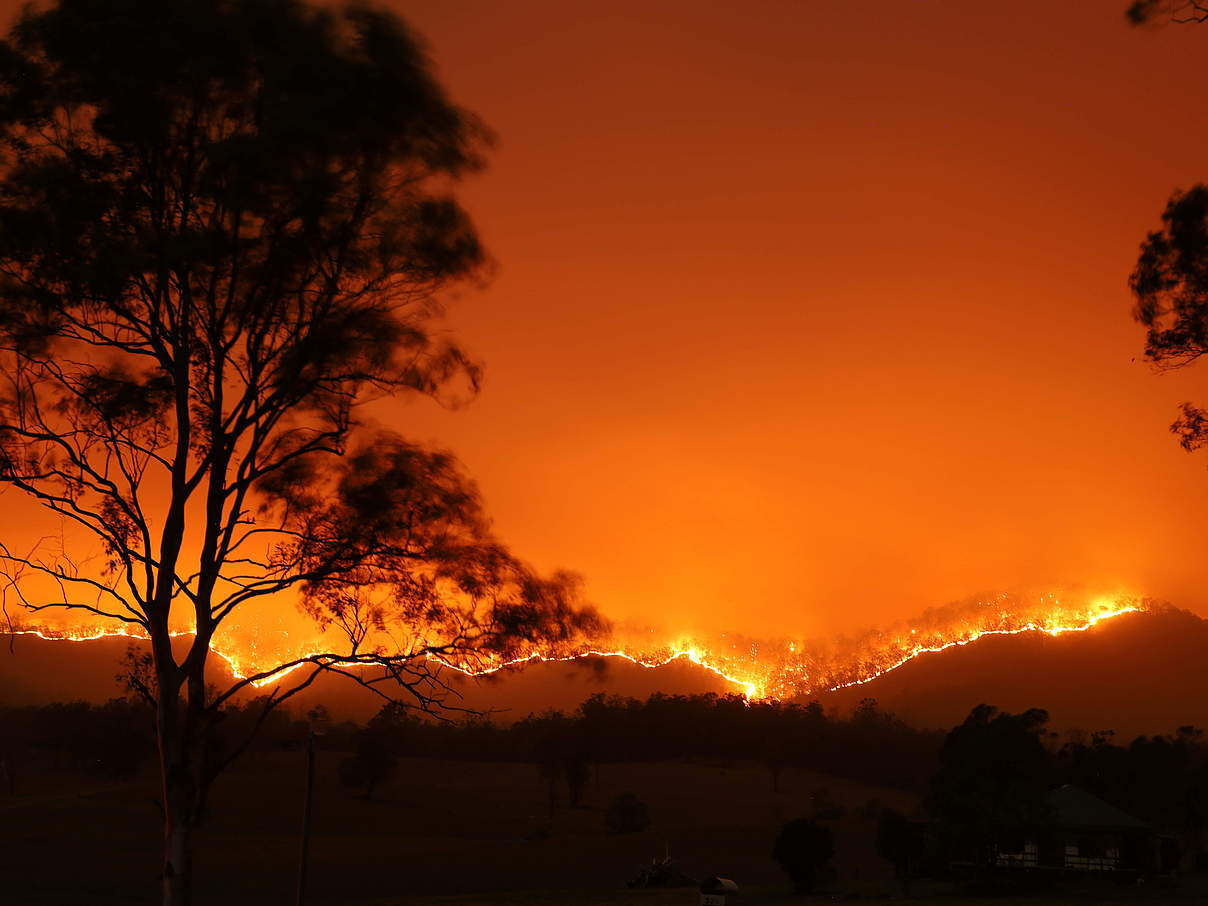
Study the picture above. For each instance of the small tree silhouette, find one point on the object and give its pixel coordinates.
(368, 768)
(378, 747)
(899, 843)
(802, 848)
(627, 814)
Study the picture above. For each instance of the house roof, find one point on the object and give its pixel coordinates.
(1074, 807)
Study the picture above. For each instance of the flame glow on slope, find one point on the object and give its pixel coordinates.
(781, 669)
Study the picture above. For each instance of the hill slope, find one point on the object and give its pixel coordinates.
(1139, 673)
(37, 671)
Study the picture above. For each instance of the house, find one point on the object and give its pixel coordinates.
(1085, 835)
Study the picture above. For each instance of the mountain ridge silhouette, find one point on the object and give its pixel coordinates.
(1134, 674)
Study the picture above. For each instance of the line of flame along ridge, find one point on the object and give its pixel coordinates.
(759, 669)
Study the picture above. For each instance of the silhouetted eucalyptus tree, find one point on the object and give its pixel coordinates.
(223, 224)
(1170, 281)
(1170, 284)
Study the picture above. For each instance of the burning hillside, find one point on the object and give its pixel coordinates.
(779, 669)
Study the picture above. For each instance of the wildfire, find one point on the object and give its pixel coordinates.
(758, 669)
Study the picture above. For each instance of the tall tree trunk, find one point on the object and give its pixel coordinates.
(177, 765)
(185, 785)
(178, 797)
(178, 860)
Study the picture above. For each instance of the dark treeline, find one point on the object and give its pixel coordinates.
(997, 774)
(871, 745)
(1159, 779)
(117, 739)
(114, 739)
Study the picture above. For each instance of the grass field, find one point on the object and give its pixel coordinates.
(462, 833)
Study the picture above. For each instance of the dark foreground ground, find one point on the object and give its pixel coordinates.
(459, 833)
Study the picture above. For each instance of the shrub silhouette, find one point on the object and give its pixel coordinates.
(803, 847)
(900, 843)
(627, 814)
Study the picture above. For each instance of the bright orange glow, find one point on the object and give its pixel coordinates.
(781, 670)
(808, 315)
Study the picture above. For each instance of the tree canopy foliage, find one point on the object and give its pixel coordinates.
(222, 227)
(1170, 281)
(1170, 284)
(993, 775)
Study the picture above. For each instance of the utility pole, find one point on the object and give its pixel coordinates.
(316, 728)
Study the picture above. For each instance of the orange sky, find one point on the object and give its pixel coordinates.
(810, 315)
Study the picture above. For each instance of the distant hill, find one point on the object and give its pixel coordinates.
(33, 671)
(1139, 673)
(36, 671)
